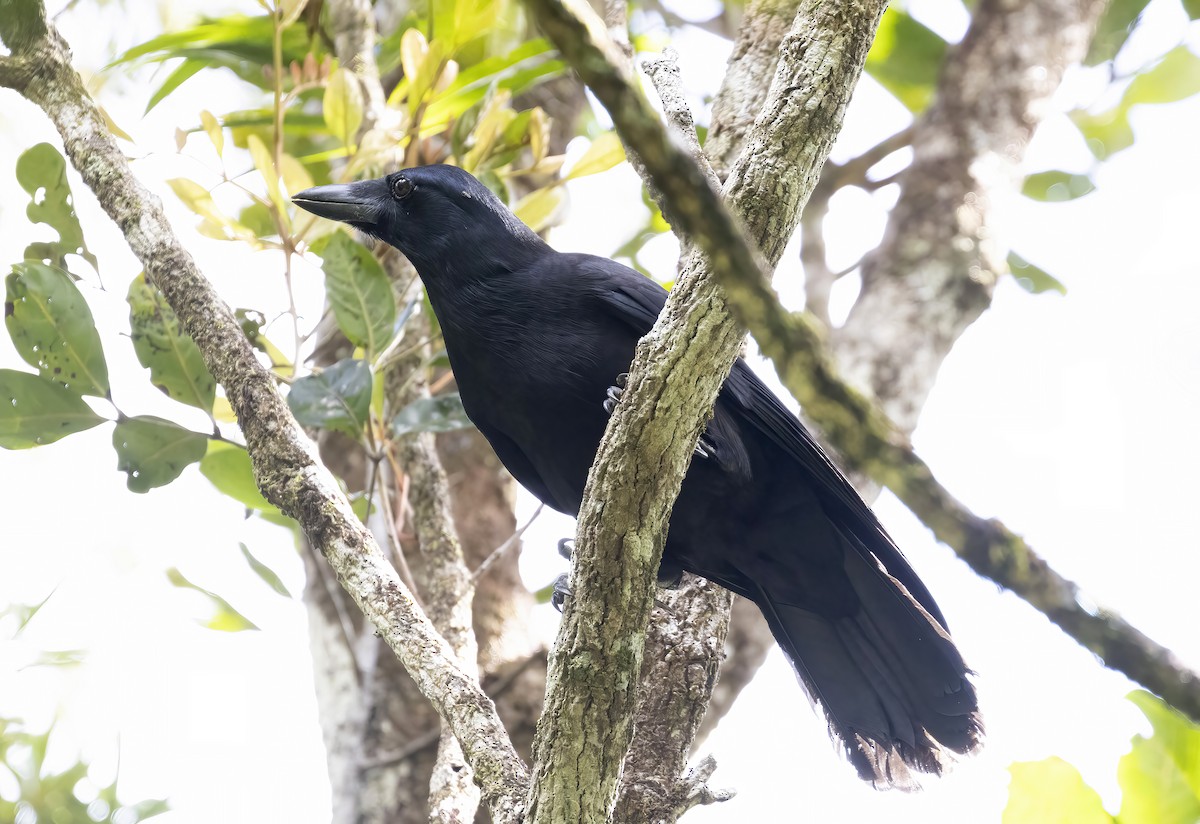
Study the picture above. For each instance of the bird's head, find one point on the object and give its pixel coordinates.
(440, 217)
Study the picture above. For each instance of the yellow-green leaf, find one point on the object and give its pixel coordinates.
(198, 199)
(213, 128)
(537, 209)
(295, 177)
(1051, 792)
(605, 152)
(495, 116)
(270, 175)
(343, 106)
(413, 48)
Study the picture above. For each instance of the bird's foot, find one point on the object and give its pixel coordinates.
(705, 448)
(560, 592)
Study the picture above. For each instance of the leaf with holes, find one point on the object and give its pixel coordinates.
(42, 173)
(52, 328)
(228, 467)
(339, 398)
(36, 411)
(226, 618)
(153, 452)
(444, 413)
(162, 346)
(360, 293)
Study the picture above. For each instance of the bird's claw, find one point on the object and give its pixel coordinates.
(613, 395)
(561, 590)
(705, 448)
(566, 547)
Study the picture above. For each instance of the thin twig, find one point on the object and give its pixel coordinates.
(500, 551)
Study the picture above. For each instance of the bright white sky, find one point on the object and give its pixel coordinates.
(1072, 419)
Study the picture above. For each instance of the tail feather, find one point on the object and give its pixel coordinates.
(891, 683)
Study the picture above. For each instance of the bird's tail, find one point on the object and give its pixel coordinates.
(891, 683)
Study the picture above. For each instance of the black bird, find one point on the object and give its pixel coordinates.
(537, 339)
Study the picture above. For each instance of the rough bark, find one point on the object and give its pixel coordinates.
(685, 639)
(675, 377)
(744, 87)
(286, 466)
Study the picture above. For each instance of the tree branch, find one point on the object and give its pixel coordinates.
(685, 642)
(286, 466)
(935, 270)
(744, 88)
(676, 374)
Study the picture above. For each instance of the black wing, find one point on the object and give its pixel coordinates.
(638, 301)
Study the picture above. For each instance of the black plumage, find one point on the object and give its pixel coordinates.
(536, 338)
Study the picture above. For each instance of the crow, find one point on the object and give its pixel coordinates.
(537, 339)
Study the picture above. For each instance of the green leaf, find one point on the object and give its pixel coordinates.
(338, 398)
(539, 207)
(1192, 7)
(444, 413)
(226, 618)
(1114, 29)
(360, 292)
(1051, 792)
(239, 43)
(42, 173)
(1160, 777)
(175, 364)
(228, 467)
(174, 80)
(1174, 78)
(265, 572)
(35, 411)
(1057, 186)
(1031, 278)
(605, 152)
(516, 72)
(154, 452)
(343, 106)
(906, 59)
(1106, 133)
(52, 328)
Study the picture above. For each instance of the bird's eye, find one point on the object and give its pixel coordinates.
(402, 187)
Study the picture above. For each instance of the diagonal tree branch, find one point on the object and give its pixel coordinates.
(676, 374)
(286, 466)
(864, 436)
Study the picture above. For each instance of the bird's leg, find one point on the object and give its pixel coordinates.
(670, 576)
(562, 584)
(705, 448)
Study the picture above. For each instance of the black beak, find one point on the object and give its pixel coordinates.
(354, 203)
